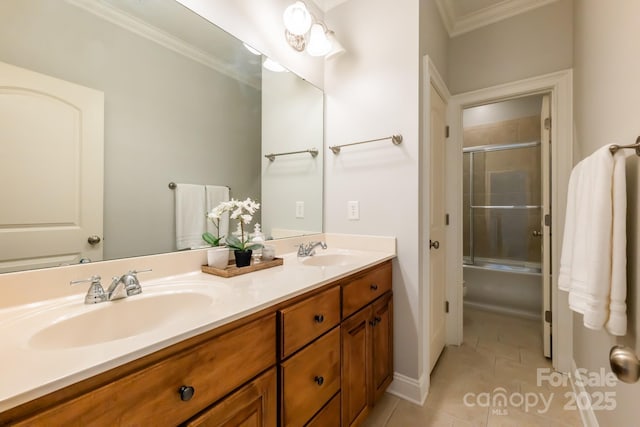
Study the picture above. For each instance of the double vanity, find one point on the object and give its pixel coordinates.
(306, 343)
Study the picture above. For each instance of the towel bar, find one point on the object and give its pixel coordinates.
(614, 147)
(272, 156)
(173, 186)
(396, 139)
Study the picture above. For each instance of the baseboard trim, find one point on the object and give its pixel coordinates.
(415, 391)
(588, 416)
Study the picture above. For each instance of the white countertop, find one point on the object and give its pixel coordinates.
(28, 372)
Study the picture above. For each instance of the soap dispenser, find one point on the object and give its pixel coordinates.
(258, 237)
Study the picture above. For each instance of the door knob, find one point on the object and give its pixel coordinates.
(624, 364)
(536, 233)
(93, 240)
(435, 244)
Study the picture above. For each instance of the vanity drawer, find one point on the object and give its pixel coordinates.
(364, 289)
(152, 396)
(329, 416)
(310, 378)
(303, 322)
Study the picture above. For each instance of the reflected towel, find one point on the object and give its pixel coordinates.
(190, 216)
(215, 194)
(593, 259)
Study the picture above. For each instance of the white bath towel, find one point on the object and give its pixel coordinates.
(190, 216)
(593, 259)
(214, 195)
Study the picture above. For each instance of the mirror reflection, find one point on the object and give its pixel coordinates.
(103, 103)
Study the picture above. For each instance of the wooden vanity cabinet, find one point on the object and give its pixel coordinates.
(367, 346)
(321, 359)
(310, 361)
(172, 389)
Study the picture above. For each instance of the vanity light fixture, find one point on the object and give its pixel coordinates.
(304, 32)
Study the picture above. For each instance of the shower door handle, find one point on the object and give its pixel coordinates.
(536, 233)
(434, 245)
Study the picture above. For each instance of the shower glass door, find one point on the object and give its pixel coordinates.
(503, 207)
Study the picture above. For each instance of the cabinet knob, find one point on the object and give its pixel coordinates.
(186, 392)
(318, 379)
(374, 287)
(372, 322)
(378, 319)
(319, 318)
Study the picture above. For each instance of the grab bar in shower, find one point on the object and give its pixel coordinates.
(614, 147)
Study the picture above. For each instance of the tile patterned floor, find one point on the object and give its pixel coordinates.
(499, 357)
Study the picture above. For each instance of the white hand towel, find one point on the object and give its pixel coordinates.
(215, 194)
(593, 259)
(190, 216)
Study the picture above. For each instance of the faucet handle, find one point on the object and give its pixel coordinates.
(131, 283)
(95, 293)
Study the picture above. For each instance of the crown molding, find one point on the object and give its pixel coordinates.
(457, 25)
(143, 29)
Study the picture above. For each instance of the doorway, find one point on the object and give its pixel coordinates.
(559, 85)
(505, 201)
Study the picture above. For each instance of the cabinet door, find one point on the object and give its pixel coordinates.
(254, 405)
(356, 367)
(382, 345)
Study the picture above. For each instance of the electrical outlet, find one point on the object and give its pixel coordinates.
(353, 210)
(299, 209)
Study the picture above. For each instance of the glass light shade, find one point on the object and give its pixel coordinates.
(319, 44)
(297, 18)
(272, 65)
(336, 47)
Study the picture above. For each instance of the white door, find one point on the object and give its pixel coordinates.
(51, 169)
(545, 144)
(437, 319)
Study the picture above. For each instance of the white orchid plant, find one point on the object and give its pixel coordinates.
(242, 211)
(214, 216)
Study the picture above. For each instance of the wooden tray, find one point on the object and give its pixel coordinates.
(231, 270)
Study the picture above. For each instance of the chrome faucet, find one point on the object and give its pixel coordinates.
(120, 287)
(309, 249)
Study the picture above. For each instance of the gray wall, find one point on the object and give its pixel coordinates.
(292, 112)
(434, 39)
(526, 45)
(167, 118)
(606, 90)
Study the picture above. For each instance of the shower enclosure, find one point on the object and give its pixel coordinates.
(502, 205)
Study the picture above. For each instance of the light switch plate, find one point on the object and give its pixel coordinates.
(299, 209)
(353, 210)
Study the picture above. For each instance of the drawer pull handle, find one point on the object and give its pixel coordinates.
(319, 318)
(186, 392)
(374, 287)
(319, 380)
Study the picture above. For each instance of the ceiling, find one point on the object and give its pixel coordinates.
(462, 16)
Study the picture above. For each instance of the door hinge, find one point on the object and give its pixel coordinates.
(446, 306)
(446, 131)
(547, 316)
(547, 220)
(547, 123)
(446, 219)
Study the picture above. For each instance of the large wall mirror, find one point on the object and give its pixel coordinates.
(104, 103)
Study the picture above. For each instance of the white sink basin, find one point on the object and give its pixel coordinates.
(331, 260)
(118, 319)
